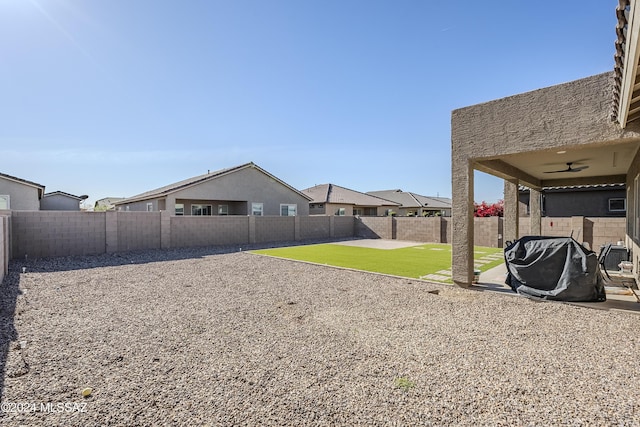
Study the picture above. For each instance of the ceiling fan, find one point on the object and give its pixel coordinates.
(570, 169)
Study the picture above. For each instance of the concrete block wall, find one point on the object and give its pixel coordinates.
(138, 231)
(193, 231)
(419, 229)
(560, 227)
(488, 232)
(4, 244)
(275, 229)
(56, 233)
(373, 227)
(315, 227)
(343, 226)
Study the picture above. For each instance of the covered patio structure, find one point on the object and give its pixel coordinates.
(583, 132)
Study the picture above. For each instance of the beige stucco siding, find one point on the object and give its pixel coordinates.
(59, 202)
(23, 197)
(248, 186)
(571, 114)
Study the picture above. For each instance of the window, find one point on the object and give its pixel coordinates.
(257, 209)
(356, 211)
(370, 211)
(200, 210)
(223, 210)
(180, 209)
(617, 205)
(149, 207)
(4, 202)
(288, 210)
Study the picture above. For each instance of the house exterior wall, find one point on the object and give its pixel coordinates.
(247, 185)
(59, 202)
(21, 196)
(141, 206)
(577, 202)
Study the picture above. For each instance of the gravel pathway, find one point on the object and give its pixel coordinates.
(183, 338)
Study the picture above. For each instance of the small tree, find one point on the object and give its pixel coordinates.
(485, 209)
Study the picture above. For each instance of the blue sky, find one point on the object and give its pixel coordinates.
(117, 97)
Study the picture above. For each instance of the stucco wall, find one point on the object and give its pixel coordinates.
(574, 113)
(59, 202)
(21, 196)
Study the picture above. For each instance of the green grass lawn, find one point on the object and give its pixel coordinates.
(415, 261)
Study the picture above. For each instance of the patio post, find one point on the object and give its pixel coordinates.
(511, 211)
(535, 212)
(462, 222)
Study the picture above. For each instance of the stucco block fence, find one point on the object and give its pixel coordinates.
(48, 233)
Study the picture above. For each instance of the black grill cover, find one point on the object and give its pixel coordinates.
(553, 268)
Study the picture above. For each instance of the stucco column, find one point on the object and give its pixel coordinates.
(462, 222)
(511, 211)
(535, 212)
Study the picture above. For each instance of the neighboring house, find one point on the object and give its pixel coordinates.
(331, 199)
(19, 194)
(584, 132)
(241, 190)
(60, 201)
(106, 204)
(412, 204)
(606, 200)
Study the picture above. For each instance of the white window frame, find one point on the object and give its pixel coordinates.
(179, 209)
(201, 207)
(624, 202)
(291, 208)
(223, 209)
(257, 209)
(150, 207)
(7, 198)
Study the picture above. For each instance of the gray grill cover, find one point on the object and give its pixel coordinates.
(554, 268)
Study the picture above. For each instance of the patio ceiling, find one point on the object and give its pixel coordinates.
(601, 164)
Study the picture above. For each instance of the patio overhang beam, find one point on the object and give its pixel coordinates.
(504, 170)
(587, 180)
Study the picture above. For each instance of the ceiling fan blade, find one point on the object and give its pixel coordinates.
(578, 169)
(570, 169)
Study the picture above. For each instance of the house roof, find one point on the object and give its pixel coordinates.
(180, 185)
(40, 187)
(62, 193)
(331, 193)
(626, 93)
(408, 199)
(108, 201)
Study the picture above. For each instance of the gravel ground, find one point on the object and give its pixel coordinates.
(201, 338)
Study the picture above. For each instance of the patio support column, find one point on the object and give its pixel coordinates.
(535, 212)
(462, 221)
(511, 211)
